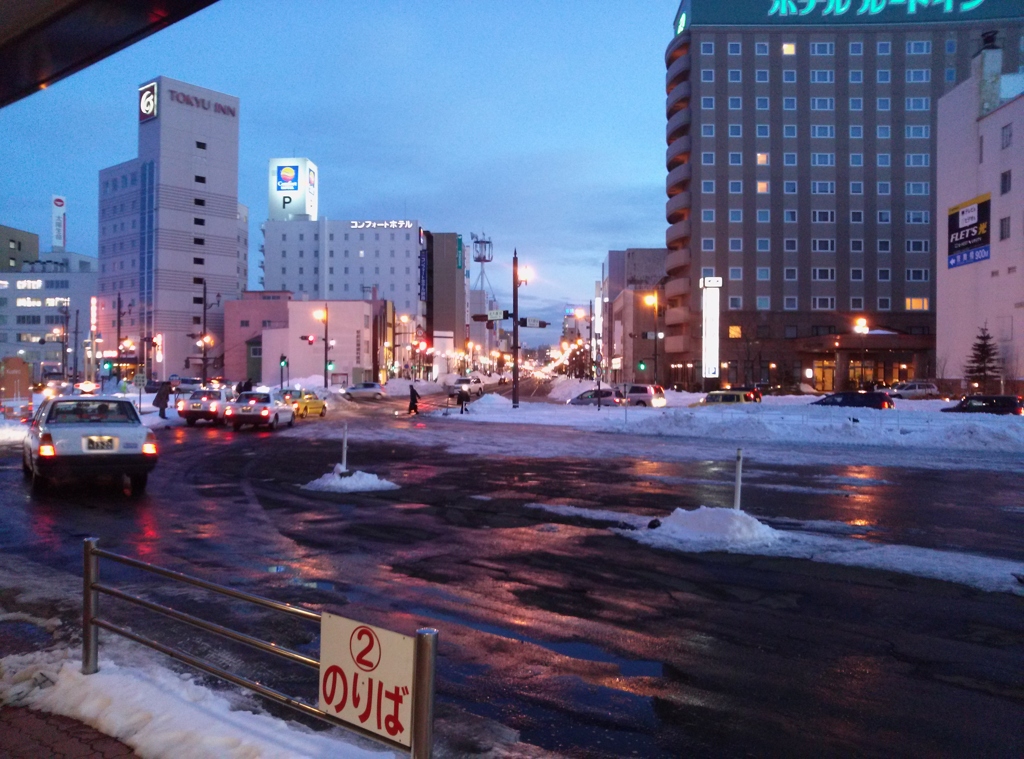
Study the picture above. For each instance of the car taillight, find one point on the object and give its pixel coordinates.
(213, 406)
(295, 406)
(228, 411)
(181, 405)
(1019, 411)
(265, 412)
(46, 447)
(149, 447)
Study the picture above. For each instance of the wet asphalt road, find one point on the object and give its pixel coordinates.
(586, 642)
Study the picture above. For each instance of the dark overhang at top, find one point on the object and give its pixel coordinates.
(43, 41)
(820, 13)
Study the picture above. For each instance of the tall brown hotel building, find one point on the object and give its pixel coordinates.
(801, 170)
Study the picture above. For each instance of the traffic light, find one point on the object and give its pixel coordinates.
(330, 366)
(107, 366)
(309, 338)
(641, 365)
(284, 360)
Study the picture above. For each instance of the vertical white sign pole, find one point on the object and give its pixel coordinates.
(710, 303)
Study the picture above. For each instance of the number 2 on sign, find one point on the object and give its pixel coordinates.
(365, 641)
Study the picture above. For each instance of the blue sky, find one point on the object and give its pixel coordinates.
(539, 123)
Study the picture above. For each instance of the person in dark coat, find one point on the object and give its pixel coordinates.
(162, 397)
(414, 398)
(463, 399)
(248, 385)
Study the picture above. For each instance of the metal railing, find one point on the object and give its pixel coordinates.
(423, 667)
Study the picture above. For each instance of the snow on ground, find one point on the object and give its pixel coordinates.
(715, 529)
(160, 713)
(338, 481)
(399, 388)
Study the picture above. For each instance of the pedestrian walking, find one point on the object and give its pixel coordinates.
(463, 399)
(414, 398)
(248, 385)
(162, 398)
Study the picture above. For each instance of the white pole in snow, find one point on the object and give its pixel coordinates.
(344, 450)
(739, 479)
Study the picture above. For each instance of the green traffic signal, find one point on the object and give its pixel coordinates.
(641, 365)
(330, 366)
(284, 360)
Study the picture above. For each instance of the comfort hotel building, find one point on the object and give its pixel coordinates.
(801, 170)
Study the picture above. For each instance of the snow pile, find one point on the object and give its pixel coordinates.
(563, 388)
(339, 481)
(159, 713)
(731, 531)
(491, 402)
(12, 432)
(399, 388)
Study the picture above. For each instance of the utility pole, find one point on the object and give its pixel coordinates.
(75, 370)
(120, 313)
(327, 346)
(515, 328)
(204, 337)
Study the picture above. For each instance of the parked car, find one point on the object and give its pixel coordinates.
(858, 399)
(366, 390)
(644, 395)
(471, 385)
(726, 396)
(208, 405)
(306, 402)
(753, 392)
(607, 395)
(188, 384)
(88, 436)
(258, 408)
(915, 390)
(989, 404)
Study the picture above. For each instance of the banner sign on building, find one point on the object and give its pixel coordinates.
(710, 302)
(147, 102)
(969, 232)
(60, 222)
(838, 12)
(293, 189)
(424, 269)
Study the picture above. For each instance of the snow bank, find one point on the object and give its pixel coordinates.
(159, 713)
(731, 531)
(338, 482)
(397, 387)
(12, 432)
(491, 402)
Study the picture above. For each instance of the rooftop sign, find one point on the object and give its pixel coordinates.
(835, 12)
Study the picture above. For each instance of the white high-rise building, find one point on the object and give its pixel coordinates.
(171, 229)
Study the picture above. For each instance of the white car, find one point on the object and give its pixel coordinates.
(205, 404)
(916, 390)
(256, 408)
(76, 436)
(365, 390)
(471, 385)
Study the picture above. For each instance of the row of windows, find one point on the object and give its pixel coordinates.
(789, 216)
(820, 76)
(818, 274)
(330, 254)
(825, 303)
(330, 288)
(883, 47)
(823, 131)
(820, 245)
(790, 187)
(330, 270)
(763, 103)
(913, 160)
(316, 236)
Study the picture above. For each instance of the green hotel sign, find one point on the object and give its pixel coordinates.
(834, 12)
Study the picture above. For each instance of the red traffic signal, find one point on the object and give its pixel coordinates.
(309, 338)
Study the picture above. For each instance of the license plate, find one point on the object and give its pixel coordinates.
(98, 443)
(246, 408)
(197, 406)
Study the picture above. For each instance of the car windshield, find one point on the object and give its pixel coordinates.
(254, 398)
(204, 395)
(92, 412)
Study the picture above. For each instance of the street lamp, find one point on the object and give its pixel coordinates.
(652, 300)
(322, 316)
(862, 329)
(517, 280)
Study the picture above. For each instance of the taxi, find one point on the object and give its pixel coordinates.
(305, 402)
(208, 405)
(88, 436)
(259, 408)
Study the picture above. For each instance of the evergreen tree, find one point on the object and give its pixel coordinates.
(983, 365)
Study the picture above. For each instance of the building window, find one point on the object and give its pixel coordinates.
(919, 132)
(735, 130)
(199, 222)
(198, 202)
(789, 48)
(856, 131)
(735, 104)
(707, 103)
(1007, 135)
(199, 261)
(823, 104)
(707, 271)
(1005, 183)
(1004, 228)
(200, 180)
(707, 75)
(735, 273)
(708, 159)
(856, 304)
(883, 104)
(950, 75)
(764, 274)
(735, 75)
(823, 159)
(735, 186)
(789, 159)
(789, 187)
(789, 215)
(885, 217)
(707, 48)
(884, 304)
(919, 188)
(856, 76)
(918, 75)
(856, 104)
(735, 214)
(917, 275)
(735, 302)
(823, 275)
(198, 241)
(764, 215)
(856, 48)
(707, 130)
(919, 159)
(763, 130)
(760, 48)
(919, 47)
(884, 48)
(762, 187)
(789, 104)
(918, 246)
(917, 304)
(761, 103)
(856, 159)
(707, 186)
(919, 104)
(950, 47)
(856, 275)
(789, 130)
(707, 214)
(764, 303)
(823, 303)
(883, 159)
(884, 76)
(918, 217)
(734, 48)
(884, 246)
(823, 245)
(789, 304)
(762, 159)
(856, 217)
(707, 244)
(789, 76)
(884, 188)
(823, 76)
(761, 75)
(823, 48)
(823, 188)
(735, 245)
(789, 245)
(735, 159)
(789, 274)
(884, 275)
